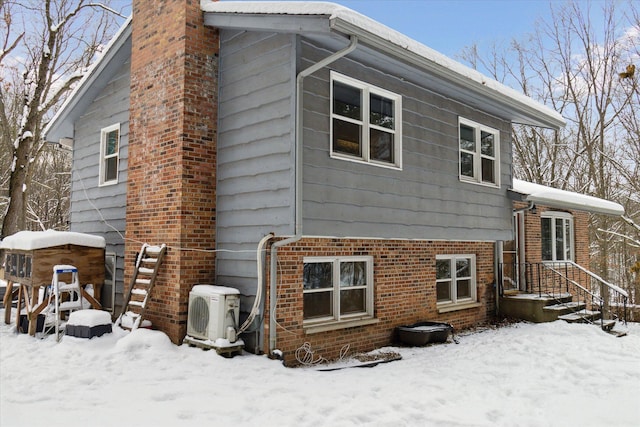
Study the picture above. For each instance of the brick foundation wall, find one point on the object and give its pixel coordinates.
(404, 291)
(172, 152)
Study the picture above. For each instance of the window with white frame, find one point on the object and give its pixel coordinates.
(479, 153)
(455, 279)
(337, 288)
(366, 122)
(556, 232)
(109, 154)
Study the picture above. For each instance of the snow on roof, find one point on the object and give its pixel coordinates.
(554, 197)
(31, 240)
(337, 12)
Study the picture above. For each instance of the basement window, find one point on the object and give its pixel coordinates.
(455, 280)
(337, 289)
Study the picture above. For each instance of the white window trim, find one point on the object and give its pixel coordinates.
(337, 317)
(397, 114)
(478, 156)
(462, 302)
(103, 146)
(553, 215)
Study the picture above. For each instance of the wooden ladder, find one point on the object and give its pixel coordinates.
(142, 282)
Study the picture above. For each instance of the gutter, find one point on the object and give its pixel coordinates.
(298, 183)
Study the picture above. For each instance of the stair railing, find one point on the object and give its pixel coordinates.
(566, 277)
(614, 297)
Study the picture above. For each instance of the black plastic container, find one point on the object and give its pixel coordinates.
(423, 333)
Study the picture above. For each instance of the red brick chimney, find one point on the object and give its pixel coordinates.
(172, 152)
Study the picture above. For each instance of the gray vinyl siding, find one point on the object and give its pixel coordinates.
(423, 200)
(255, 174)
(91, 203)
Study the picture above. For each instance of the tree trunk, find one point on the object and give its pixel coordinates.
(14, 220)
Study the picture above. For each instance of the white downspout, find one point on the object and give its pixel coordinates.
(298, 183)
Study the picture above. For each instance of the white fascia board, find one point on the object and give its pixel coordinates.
(59, 125)
(562, 199)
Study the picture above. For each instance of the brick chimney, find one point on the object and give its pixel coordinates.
(171, 190)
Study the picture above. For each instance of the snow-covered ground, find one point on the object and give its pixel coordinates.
(552, 374)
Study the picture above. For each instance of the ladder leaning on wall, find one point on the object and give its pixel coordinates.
(142, 283)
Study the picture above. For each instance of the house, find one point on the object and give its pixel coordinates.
(343, 177)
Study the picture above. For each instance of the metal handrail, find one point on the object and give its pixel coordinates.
(565, 272)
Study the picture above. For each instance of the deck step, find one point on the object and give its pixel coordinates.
(566, 307)
(582, 316)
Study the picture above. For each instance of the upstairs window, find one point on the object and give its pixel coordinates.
(109, 154)
(479, 148)
(556, 231)
(366, 122)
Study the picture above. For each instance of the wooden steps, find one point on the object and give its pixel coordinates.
(142, 283)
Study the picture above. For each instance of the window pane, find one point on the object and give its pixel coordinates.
(443, 291)
(463, 267)
(347, 138)
(353, 274)
(347, 101)
(381, 111)
(488, 170)
(486, 143)
(111, 169)
(353, 301)
(467, 138)
(545, 232)
(317, 275)
(463, 288)
(559, 240)
(466, 164)
(381, 146)
(318, 304)
(112, 143)
(443, 269)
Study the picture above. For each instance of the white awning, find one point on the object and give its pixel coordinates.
(555, 198)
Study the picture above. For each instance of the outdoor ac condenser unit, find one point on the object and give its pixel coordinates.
(214, 312)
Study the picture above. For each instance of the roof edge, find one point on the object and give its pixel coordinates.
(563, 199)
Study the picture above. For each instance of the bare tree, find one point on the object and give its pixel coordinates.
(46, 48)
(579, 65)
